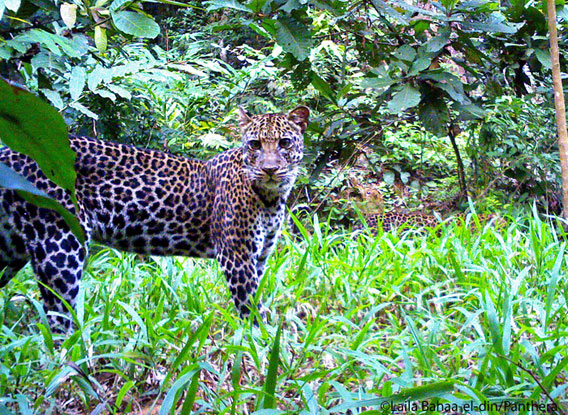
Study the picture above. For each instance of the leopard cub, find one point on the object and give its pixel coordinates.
(230, 208)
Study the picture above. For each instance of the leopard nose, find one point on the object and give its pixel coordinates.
(269, 170)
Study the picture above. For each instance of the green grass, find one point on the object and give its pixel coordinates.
(452, 316)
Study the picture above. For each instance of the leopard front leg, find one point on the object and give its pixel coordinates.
(240, 270)
(268, 247)
(58, 259)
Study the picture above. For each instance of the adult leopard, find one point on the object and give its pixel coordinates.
(230, 208)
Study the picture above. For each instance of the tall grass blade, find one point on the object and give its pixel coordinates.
(269, 389)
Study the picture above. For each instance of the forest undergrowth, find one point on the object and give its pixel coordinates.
(359, 323)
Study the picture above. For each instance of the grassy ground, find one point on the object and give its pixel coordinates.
(466, 315)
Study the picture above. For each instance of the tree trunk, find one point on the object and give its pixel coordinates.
(461, 170)
(559, 104)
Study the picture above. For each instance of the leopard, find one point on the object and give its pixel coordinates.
(372, 205)
(419, 221)
(229, 208)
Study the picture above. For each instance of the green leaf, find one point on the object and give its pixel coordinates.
(117, 4)
(405, 53)
(168, 404)
(56, 44)
(293, 36)
(418, 393)
(449, 83)
(101, 41)
(470, 111)
(420, 64)
(272, 373)
(122, 393)
(84, 110)
(493, 25)
(47, 60)
(120, 91)
(77, 82)
(30, 126)
(437, 43)
(433, 113)
(98, 75)
(226, 4)
(406, 97)
(323, 87)
(543, 57)
(382, 7)
(106, 94)
(136, 24)
(9, 179)
(382, 80)
(292, 5)
(53, 97)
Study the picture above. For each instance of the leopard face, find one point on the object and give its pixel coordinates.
(273, 148)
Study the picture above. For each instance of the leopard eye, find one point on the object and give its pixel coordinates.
(285, 143)
(254, 144)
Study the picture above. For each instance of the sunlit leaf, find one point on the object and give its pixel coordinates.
(293, 36)
(136, 24)
(68, 13)
(101, 41)
(407, 97)
(77, 82)
(226, 4)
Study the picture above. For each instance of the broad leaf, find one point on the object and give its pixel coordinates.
(383, 8)
(226, 4)
(420, 64)
(434, 115)
(68, 13)
(101, 41)
(293, 36)
(81, 108)
(405, 53)
(117, 4)
(136, 24)
(54, 98)
(543, 57)
(437, 43)
(11, 180)
(449, 83)
(469, 111)
(382, 80)
(406, 97)
(493, 25)
(30, 126)
(58, 45)
(77, 82)
(323, 87)
(377, 82)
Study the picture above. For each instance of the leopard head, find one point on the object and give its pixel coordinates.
(273, 148)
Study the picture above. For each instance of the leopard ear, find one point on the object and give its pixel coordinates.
(244, 117)
(300, 116)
